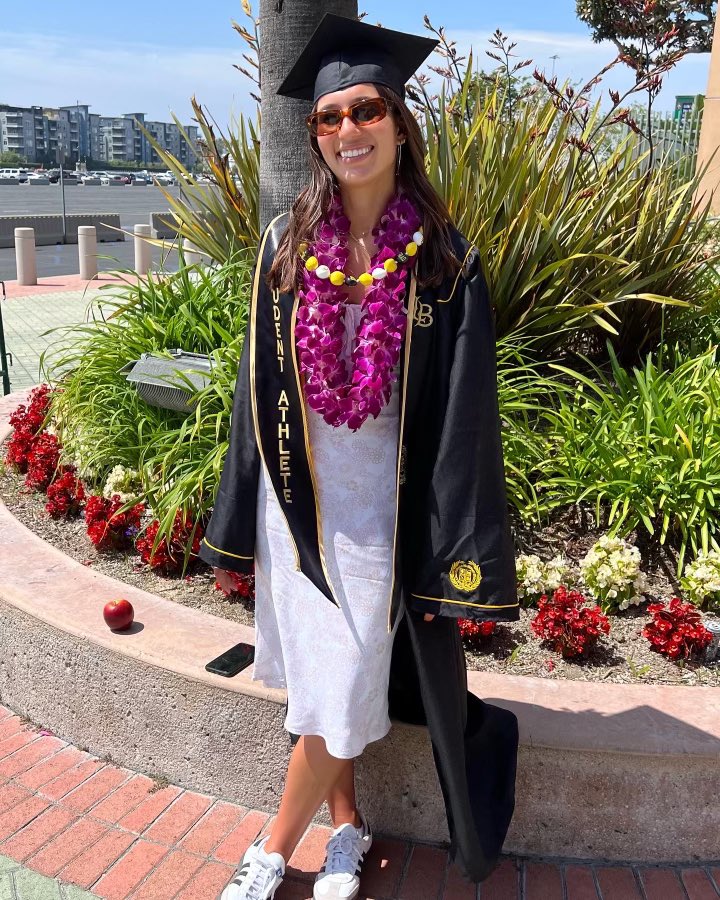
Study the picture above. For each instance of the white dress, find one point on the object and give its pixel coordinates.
(333, 661)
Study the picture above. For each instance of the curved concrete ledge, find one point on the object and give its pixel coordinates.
(606, 771)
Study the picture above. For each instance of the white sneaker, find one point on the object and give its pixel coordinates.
(258, 874)
(339, 878)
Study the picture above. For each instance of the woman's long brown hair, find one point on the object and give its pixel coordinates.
(313, 202)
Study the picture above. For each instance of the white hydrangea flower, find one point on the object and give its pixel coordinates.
(611, 573)
(536, 577)
(529, 573)
(77, 448)
(701, 579)
(556, 573)
(122, 481)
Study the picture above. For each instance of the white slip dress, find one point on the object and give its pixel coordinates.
(334, 661)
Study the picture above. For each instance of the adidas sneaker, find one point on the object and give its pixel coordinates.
(258, 874)
(339, 878)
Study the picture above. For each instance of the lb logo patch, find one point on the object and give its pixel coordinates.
(423, 315)
(465, 575)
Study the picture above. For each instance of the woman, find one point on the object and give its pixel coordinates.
(365, 436)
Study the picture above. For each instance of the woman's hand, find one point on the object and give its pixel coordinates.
(225, 579)
(428, 617)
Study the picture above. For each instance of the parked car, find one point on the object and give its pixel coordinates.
(20, 174)
(91, 179)
(38, 178)
(68, 176)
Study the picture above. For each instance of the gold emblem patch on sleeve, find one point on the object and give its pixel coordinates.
(465, 575)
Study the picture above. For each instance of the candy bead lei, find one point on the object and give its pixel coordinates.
(338, 277)
(344, 398)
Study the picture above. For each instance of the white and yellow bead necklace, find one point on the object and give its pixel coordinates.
(338, 277)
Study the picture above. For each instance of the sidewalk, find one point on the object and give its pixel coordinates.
(29, 311)
(71, 822)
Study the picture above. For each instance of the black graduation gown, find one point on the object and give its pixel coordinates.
(453, 549)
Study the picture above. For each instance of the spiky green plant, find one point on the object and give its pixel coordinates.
(568, 240)
(101, 419)
(224, 216)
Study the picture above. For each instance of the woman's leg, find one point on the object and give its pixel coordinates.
(341, 798)
(311, 775)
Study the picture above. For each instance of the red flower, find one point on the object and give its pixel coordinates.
(32, 415)
(42, 461)
(570, 627)
(244, 586)
(65, 494)
(168, 555)
(26, 422)
(473, 633)
(676, 630)
(109, 529)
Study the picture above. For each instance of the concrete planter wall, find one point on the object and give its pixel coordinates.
(606, 771)
(48, 229)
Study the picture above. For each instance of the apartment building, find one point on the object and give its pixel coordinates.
(21, 130)
(117, 139)
(42, 134)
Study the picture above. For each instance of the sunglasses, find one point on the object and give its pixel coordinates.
(364, 112)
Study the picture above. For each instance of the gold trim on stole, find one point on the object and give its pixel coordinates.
(408, 339)
(253, 394)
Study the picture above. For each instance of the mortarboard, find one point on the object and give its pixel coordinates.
(343, 52)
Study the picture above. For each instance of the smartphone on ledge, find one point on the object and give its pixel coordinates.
(232, 661)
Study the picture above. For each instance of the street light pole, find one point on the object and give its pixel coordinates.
(61, 160)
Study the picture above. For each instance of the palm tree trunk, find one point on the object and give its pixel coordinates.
(285, 27)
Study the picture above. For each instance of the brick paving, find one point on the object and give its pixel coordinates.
(26, 319)
(73, 826)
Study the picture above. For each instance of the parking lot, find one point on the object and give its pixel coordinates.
(134, 204)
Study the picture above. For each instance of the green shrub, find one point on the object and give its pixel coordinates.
(101, 420)
(641, 446)
(521, 401)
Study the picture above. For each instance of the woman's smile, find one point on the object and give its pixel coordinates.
(351, 154)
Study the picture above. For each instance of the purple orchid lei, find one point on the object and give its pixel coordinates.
(342, 398)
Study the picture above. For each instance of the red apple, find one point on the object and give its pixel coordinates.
(118, 614)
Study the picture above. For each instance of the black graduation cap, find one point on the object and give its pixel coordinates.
(343, 52)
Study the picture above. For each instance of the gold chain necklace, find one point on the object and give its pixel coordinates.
(358, 239)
